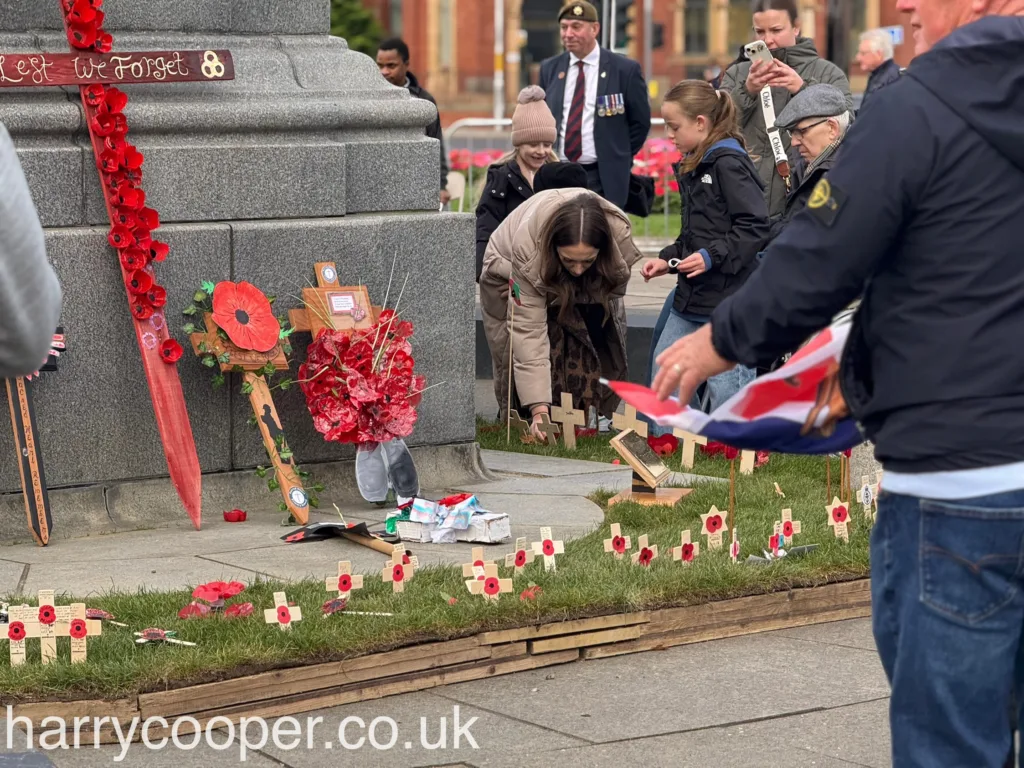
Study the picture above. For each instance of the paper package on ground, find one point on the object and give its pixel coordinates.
(455, 518)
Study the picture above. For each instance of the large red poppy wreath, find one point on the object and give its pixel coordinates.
(360, 386)
(244, 314)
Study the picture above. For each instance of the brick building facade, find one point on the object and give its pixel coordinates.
(452, 41)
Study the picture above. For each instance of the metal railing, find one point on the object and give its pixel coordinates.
(481, 150)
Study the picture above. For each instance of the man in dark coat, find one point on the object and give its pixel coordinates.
(603, 124)
(921, 214)
(393, 63)
(874, 56)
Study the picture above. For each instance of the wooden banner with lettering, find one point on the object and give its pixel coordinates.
(21, 70)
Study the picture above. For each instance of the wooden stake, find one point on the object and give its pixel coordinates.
(511, 373)
(732, 490)
(295, 496)
(828, 476)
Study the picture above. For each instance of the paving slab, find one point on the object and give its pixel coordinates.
(510, 462)
(577, 485)
(10, 575)
(694, 686)
(855, 633)
(24, 759)
(416, 715)
(168, 757)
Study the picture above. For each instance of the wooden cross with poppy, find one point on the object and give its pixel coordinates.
(686, 550)
(96, 72)
(345, 581)
(645, 553)
(488, 584)
(242, 332)
(282, 614)
(839, 518)
(786, 528)
(475, 569)
(569, 419)
(80, 628)
(628, 420)
(332, 305)
(521, 557)
(23, 623)
(398, 570)
(53, 623)
(617, 544)
(548, 548)
(713, 526)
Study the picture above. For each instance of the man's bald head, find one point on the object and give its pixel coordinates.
(932, 20)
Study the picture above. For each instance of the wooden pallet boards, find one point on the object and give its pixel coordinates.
(562, 628)
(585, 639)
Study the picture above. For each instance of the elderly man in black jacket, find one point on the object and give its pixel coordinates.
(922, 214)
(874, 57)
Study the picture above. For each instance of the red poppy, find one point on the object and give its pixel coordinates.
(215, 591)
(548, 547)
(149, 218)
(116, 100)
(121, 237)
(142, 238)
(94, 95)
(104, 124)
(141, 310)
(731, 453)
(284, 616)
(243, 313)
(334, 606)
(397, 573)
(171, 351)
(99, 614)
(687, 552)
(520, 558)
(235, 516)
(773, 543)
(787, 529)
(238, 610)
(715, 523)
(78, 629)
(124, 217)
(839, 514)
(109, 161)
(665, 445)
(344, 583)
(47, 615)
(158, 251)
(492, 586)
(194, 609)
(157, 296)
(360, 358)
(16, 631)
(452, 601)
(115, 143)
(104, 42)
(132, 157)
(139, 282)
(82, 36)
(646, 555)
(619, 544)
(153, 634)
(82, 11)
(126, 195)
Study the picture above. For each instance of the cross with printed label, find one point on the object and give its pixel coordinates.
(345, 581)
(282, 614)
(839, 518)
(476, 569)
(332, 305)
(548, 548)
(869, 496)
(786, 528)
(713, 526)
(617, 544)
(80, 629)
(568, 418)
(628, 420)
(23, 623)
(397, 571)
(521, 557)
(488, 584)
(690, 442)
(687, 550)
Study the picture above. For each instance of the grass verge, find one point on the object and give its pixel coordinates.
(588, 582)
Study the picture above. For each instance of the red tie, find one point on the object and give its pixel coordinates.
(574, 126)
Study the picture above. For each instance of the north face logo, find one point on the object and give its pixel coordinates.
(706, 178)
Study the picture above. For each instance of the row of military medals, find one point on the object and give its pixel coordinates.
(610, 105)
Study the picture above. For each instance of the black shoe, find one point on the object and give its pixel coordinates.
(401, 469)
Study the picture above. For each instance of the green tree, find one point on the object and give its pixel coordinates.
(350, 20)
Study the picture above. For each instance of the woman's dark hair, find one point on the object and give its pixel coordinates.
(581, 219)
(789, 6)
(696, 98)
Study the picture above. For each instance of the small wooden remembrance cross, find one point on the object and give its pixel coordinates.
(344, 582)
(332, 305)
(475, 569)
(522, 556)
(690, 442)
(549, 430)
(645, 553)
(488, 584)
(713, 526)
(747, 461)
(568, 419)
(517, 423)
(397, 572)
(250, 361)
(80, 629)
(786, 528)
(628, 420)
(839, 518)
(548, 548)
(23, 624)
(93, 69)
(617, 544)
(282, 614)
(686, 550)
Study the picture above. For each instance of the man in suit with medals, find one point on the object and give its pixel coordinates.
(600, 103)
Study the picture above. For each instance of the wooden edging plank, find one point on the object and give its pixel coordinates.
(123, 709)
(582, 640)
(285, 682)
(562, 628)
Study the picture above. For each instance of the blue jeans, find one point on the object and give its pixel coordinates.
(947, 592)
(720, 387)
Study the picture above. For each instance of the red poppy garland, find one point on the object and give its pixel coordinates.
(360, 386)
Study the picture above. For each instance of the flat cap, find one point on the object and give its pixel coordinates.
(821, 100)
(578, 10)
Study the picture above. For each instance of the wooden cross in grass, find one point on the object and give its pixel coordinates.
(628, 420)
(23, 624)
(396, 572)
(713, 527)
(282, 614)
(645, 553)
(686, 550)
(786, 528)
(332, 305)
(518, 424)
(869, 495)
(53, 623)
(522, 556)
(617, 544)
(488, 584)
(344, 582)
(549, 430)
(548, 548)
(690, 442)
(475, 569)
(79, 630)
(839, 518)
(747, 460)
(568, 418)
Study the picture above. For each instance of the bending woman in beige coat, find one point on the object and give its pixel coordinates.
(569, 252)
